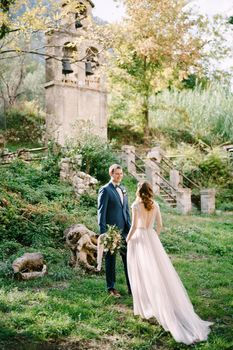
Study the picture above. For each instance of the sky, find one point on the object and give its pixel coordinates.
(111, 12)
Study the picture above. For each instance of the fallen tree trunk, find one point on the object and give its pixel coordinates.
(29, 266)
(83, 245)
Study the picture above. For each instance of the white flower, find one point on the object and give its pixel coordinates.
(112, 239)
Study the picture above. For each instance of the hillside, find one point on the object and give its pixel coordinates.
(69, 309)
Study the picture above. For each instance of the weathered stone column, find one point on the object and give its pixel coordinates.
(183, 197)
(208, 200)
(152, 171)
(2, 142)
(65, 169)
(156, 153)
(128, 156)
(175, 179)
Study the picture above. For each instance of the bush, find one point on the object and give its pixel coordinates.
(22, 126)
(27, 214)
(50, 166)
(209, 168)
(88, 201)
(124, 134)
(177, 136)
(9, 248)
(6, 270)
(97, 156)
(212, 170)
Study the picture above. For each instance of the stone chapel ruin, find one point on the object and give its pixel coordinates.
(76, 95)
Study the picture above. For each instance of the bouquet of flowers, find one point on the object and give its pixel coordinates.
(112, 239)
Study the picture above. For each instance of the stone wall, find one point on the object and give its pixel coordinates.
(81, 182)
(208, 201)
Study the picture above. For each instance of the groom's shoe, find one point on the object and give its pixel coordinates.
(113, 292)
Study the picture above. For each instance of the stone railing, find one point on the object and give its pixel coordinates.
(153, 169)
(28, 155)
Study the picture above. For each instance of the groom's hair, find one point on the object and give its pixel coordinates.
(114, 167)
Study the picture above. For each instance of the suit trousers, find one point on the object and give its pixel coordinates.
(110, 267)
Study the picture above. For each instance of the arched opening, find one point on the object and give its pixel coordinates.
(69, 55)
(69, 51)
(81, 13)
(92, 60)
(92, 55)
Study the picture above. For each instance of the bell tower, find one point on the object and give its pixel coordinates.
(76, 96)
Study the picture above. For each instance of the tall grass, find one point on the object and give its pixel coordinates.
(206, 114)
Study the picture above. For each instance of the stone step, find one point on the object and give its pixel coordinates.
(139, 176)
(164, 194)
(165, 186)
(168, 199)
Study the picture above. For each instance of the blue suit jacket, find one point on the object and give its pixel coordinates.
(111, 211)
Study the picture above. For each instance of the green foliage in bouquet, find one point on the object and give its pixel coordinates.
(112, 239)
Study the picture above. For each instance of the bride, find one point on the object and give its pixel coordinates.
(156, 287)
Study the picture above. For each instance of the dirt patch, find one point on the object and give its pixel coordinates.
(59, 286)
(106, 343)
(122, 308)
(54, 345)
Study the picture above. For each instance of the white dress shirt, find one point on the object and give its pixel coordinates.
(119, 191)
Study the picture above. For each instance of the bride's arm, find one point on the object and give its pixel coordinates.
(134, 223)
(158, 218)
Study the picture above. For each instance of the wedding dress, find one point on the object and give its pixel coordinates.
(156, 287)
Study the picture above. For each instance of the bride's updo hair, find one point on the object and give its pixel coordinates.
(145, 193)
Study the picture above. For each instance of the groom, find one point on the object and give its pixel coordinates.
(113, 209)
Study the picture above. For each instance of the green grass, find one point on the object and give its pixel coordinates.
(70, 309)
(75, 306)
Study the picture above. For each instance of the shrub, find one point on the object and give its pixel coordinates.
(22, 125)
(50, 166)
(96, 159)
(87, 200)
(8, 248)
(97, 156)
(27, 215)
(207, 167)
(6, 270)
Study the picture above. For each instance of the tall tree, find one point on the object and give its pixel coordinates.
(21, 19)
(157, 45)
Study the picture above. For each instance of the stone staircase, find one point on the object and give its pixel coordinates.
(166, 179)
(167, 195)
(166, 191)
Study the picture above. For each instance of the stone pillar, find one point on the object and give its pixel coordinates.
(152, 171)
(175, 179)
(66, 169)
(156, 153)
(208, 200)
(2, 142)
(128, 156)
(183, 197)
